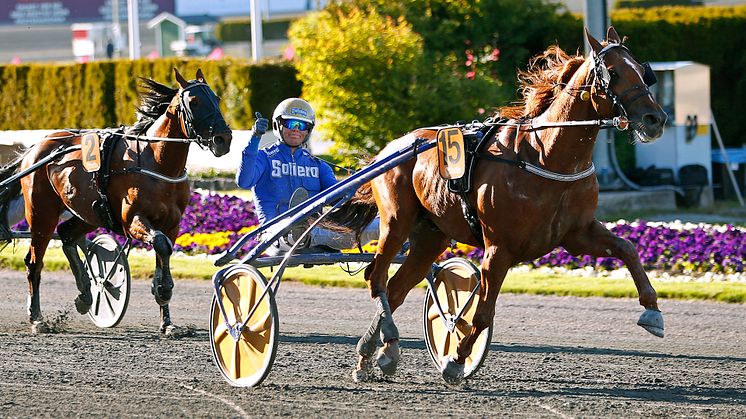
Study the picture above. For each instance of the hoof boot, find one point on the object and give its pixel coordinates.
(453, 373)
(363, 369)
(388, 358)
(652, 321)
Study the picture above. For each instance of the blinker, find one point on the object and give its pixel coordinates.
(648, 76)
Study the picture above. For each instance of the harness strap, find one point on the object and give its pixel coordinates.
(470, 213)
(102, 207)
(155, 175)
(536, 170)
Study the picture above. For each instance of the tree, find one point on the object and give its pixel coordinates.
(370, 79)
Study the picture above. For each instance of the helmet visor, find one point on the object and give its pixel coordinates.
(295, 124)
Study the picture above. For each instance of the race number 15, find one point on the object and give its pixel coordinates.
(451, 156)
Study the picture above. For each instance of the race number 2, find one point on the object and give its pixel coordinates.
(91, 152)
(451, 155)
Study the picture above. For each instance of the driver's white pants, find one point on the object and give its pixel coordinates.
(329, 238)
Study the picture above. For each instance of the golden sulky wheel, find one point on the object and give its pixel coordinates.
(246, 361)
(110, 280)
(453, 285)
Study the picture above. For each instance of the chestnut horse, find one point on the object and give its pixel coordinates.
(146, 191)
(523, 213)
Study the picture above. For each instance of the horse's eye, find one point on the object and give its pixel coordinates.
(613, 74)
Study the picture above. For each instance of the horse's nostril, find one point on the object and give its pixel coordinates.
(651, 120)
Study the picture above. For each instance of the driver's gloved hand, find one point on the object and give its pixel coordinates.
(261, 125)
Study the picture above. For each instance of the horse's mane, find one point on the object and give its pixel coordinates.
(154, 100)
(546, 76)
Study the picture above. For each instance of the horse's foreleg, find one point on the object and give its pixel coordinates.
(596, 240)
(34, 265)
(162, 284)
(495, 266)
(72, 236)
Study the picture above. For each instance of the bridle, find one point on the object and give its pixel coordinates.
(188, 124)
(602, 81)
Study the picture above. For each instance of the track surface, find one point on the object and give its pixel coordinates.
(550, 357)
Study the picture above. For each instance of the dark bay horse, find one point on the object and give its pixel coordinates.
(146, 189)
(523, 215)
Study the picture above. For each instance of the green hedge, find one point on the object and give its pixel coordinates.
(714, 36)
(104, 94)
(240, 30)
(626, 4)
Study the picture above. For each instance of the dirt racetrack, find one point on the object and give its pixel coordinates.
(550, 357)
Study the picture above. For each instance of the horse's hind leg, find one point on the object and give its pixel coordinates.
(395, 228)
(72, 234)
(42, 230)
(427, 242)
(598, 241)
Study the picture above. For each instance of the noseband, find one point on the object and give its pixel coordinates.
(188, 124)
(602, 81)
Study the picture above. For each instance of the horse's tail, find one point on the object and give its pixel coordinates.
(12, 190)
(355, 214)
(8, 193)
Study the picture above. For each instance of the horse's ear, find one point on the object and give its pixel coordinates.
(612, 36)
(200, 77)
(180, 79)
(568, 70)
(595, 45)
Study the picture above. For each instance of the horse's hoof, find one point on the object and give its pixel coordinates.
(388, 358)
(81, 305)
(363, 369)
(38, 326)
(169, 330)
(652, 321)
(453, 373)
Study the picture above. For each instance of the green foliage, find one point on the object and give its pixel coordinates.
(13, 94)
(105, 94)
(377, 69)
(358, 70)
(501, 34)
(627, 4)
(239, 30)
(271, 84)
(370, 79)
(98, 89)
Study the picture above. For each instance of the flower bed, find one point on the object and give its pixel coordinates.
(212, 223)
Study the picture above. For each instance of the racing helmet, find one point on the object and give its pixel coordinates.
(293, 108)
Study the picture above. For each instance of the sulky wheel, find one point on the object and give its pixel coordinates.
(110, 280)
(453, 285)
(247, 360)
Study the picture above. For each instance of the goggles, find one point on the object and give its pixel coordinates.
(295, 124)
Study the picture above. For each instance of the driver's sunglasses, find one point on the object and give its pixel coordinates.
(295, 124)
